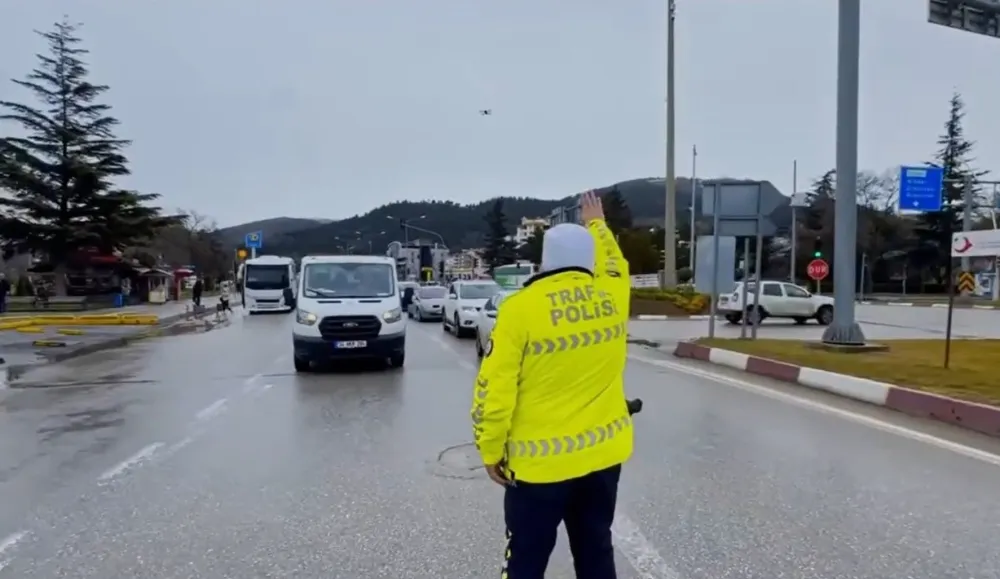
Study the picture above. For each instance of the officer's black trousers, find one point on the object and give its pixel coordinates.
(586, 505)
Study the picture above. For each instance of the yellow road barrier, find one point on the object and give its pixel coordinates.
(69, 332)
(140, 320)
(19, 322)
(31, 330)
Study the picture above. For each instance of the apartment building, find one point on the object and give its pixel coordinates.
(528, 227)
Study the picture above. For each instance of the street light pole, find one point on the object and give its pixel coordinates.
(694, 196)
(670, 214)
(845, 330)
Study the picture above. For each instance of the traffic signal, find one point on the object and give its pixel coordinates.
(818, 247)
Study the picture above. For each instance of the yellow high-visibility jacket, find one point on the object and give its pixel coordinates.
(549, 400)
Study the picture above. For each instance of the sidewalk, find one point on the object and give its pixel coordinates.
(168, 312)
(18, 350)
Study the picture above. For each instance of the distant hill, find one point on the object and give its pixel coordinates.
(462, 226)
(274, 227)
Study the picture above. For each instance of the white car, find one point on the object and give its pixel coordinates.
(487, 319)
(465, 300)
(778, 299)
(428, 303)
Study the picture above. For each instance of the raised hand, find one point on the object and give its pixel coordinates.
(590, 207)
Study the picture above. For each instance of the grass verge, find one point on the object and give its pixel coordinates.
(917, 364)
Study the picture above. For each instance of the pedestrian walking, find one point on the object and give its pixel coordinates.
(4, 292)
(196, 291)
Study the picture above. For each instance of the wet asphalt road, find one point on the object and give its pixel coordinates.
(206, 456)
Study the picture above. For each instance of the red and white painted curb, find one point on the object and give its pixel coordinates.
(979, 417)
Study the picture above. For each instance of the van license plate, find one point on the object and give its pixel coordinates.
(350, 345)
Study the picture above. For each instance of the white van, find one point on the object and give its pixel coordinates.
(269, 284)
(348, 308)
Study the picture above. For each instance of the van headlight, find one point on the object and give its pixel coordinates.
(305, 318)
(393, 315)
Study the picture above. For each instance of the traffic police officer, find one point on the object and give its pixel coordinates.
(549, 411)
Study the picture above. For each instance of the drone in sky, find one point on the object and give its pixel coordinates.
(486, 112)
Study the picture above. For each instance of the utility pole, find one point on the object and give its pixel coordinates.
(669, 221)
(845, 330)
(795, 224)
(694, 196)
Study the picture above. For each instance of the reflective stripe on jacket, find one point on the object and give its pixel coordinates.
(549, 399)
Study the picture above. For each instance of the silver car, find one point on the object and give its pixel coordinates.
(428, 303)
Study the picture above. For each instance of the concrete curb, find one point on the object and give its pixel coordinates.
(659, 318)
(978, 417)
(931, 305)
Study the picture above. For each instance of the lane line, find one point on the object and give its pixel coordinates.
(212, 410)
(638, 551)
(628, 538)
(7, 544)
(822, 407)
(449, 348)
(180, 444)
(144, 454)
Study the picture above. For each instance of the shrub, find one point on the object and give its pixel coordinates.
(684, 297)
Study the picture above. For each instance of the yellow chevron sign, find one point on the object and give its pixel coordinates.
(966, 282)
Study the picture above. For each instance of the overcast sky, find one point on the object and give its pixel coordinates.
(327, 108)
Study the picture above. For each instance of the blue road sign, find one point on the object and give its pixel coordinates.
(920, 188)
(254, 240)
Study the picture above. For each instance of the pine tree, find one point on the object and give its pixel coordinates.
(499, 250)
(60, 176)
(616, 212)
(934, 229)
(820, 199)
(531, 250)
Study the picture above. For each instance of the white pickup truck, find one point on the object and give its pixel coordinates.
(778, 299)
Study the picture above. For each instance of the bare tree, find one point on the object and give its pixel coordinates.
(878, 191)
(193, 241)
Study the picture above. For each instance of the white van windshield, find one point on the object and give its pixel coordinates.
(348, 280)
(264, 277)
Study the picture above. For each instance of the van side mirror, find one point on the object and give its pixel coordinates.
(453, 296)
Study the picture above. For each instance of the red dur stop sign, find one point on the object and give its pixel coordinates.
(818, 270)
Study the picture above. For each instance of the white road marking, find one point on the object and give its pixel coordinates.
(638, 551)
(7, 545)
(628, 538)
(212, 410)
(253, 378)
(458, 355)
(136, 459)
(817, 406)
(180, 444)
